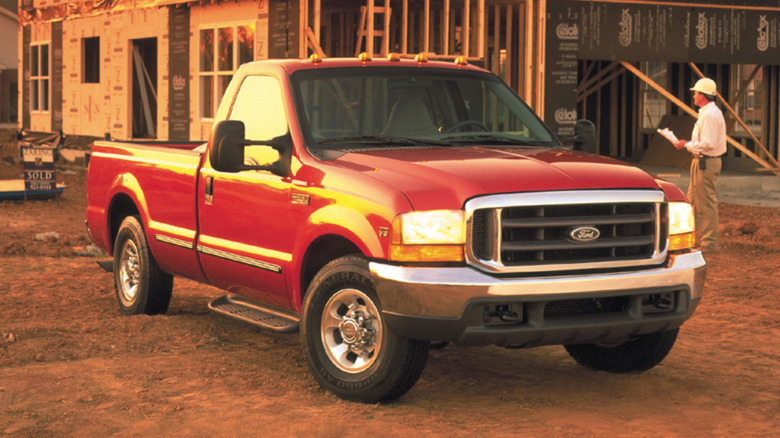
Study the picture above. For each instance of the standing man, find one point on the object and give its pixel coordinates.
(707, 144)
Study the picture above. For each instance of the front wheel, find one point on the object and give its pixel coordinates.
(141, 286)
(346, 341)
(637, 354)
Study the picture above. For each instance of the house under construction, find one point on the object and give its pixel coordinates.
(157, 69)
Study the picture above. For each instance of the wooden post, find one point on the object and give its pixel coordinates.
(508, 58)
(541, 19)
(481, 29)
(370, 28)
(317, 21)
(466, 27)
(496, 40)
(405, 28)
(426, 26)
(445, 31)
(386, 31)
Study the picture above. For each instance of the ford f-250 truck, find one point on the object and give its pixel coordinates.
(382, 206)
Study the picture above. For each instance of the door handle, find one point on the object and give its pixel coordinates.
(209, 190)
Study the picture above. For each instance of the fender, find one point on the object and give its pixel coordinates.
(671, 191)
(361, 229)
(344, 221)
(127, 184)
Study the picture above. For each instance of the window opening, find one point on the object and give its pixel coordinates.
(654, 105)
(40, 77)
(748, 100)
(144, 64)
(91, 58)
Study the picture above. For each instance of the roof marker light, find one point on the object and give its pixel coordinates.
(461, 60)
(395, 57)
(421, 58)
(364, 57)
(315, 58)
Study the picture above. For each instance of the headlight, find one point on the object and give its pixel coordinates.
(681, 226)
(428, 236)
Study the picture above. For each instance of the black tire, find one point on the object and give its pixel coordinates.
(141, 286)
(346, 341)
(635, 355)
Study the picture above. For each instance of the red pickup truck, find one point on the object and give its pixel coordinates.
(382, 206)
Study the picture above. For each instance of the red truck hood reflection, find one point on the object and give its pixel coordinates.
(446, 178)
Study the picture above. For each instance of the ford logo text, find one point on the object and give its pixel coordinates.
(584, 234)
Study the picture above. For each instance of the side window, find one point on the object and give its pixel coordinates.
(260, 106)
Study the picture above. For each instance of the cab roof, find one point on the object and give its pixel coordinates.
(394, 60)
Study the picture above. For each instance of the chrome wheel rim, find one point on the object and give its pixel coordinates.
(351, 330)
(129, 271)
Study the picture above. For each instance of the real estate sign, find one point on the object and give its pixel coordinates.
(38, 168)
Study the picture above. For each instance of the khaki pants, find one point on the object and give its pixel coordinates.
(702, 193)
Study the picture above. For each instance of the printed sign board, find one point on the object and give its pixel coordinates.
(675, 33)
(38, 168)
(179, 83)
(661, 32)
(561, 73)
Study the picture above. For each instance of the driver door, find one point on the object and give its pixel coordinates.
(243, 217)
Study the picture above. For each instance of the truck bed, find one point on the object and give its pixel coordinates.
(164, 175)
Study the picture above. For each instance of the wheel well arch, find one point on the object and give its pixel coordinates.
(121, 207)
(322, 251)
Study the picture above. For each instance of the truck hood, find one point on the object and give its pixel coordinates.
(445, 178)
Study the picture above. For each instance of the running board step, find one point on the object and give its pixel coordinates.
(251, 312)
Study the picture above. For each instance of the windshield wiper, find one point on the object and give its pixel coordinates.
(493, 138)
(482, 137)
(382, 139)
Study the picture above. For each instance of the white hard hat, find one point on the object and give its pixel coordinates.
(705, 86)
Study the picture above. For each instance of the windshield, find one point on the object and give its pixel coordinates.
(391, 107)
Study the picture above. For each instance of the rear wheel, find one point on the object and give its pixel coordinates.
(637, 354)
(141, 286)
(345, 339)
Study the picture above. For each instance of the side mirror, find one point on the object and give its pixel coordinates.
(226, 149)
(226, 146)
(585, 137)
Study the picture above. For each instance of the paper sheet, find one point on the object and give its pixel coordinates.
(669, 135)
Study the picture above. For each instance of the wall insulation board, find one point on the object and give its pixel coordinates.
(105, 107)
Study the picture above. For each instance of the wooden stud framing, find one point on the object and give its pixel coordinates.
(541, 28)
(695, 114)
(739, 120)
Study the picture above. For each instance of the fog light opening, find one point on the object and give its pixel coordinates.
(503, 314)
(659, 303)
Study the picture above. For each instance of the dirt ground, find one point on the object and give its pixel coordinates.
(71, 365)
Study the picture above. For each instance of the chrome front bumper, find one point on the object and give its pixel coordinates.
(416, 299)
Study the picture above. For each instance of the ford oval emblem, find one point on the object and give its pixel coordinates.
(584, 234)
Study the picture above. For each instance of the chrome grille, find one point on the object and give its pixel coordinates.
(537, 231)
